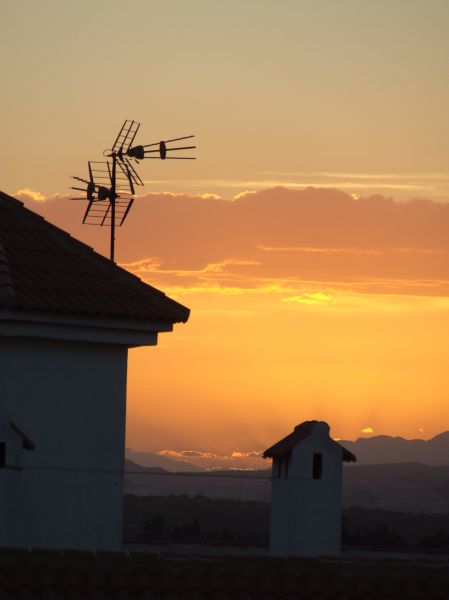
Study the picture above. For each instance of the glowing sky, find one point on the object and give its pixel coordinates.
(305, 303)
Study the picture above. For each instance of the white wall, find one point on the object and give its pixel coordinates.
(70, 399)
(9, 477)
(306, 512)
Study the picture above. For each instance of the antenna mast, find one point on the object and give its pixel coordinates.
(112, 200)
(110, 190)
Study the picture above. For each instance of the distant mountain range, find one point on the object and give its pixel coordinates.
(404, 487)
(381, 449)
(391, 473)
(378, 449)
(150, 459)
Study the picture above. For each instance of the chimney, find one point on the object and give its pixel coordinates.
(306, 493)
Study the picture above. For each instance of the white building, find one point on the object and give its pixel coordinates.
(306, 493)
(67, 319)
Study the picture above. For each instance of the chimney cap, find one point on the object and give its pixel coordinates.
(300, 433)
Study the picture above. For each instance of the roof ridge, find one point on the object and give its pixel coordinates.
(301, 432)
(43, 267)
(17, 204)
(10, 199)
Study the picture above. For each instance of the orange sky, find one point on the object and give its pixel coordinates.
(306, 303)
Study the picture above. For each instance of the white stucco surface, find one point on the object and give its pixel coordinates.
(70, 399)
(306, 512)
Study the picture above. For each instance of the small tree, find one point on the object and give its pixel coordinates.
(154, 529)
(438, 541)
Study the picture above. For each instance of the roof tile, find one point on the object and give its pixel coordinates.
(36, 575)
(300, 433)
(44, 269)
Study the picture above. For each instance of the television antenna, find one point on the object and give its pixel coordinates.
(111, 184)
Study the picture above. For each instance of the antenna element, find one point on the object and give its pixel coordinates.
(109, 190)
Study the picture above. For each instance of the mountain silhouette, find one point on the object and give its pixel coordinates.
(149, 459)
(133, 468)
(380, 449)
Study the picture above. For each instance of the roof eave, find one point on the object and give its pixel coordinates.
(347, 455)
(90, 283)
(282, 447)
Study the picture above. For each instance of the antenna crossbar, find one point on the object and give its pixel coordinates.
(100, 213)
(109, 190)
(126, 136)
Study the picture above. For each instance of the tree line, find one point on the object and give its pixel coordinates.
(200, 519)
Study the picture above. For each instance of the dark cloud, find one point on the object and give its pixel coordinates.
(317, 236)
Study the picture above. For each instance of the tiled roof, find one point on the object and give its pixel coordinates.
(115, 576)
(44, 269)
(6, 288)
(300, 433)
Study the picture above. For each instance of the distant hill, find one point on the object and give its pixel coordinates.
(386, 449)
(405, 487)
(149, 459)
(132, 467)
(140, 479)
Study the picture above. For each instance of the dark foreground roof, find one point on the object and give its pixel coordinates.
(300, 433)
(44, 269)
(108, 576)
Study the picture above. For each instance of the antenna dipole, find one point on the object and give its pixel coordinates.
(111, 184)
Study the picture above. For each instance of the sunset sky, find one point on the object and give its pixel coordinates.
(311, 237)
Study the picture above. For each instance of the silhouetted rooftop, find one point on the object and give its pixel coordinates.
(300, 433)
(45, 270)
(109, 576)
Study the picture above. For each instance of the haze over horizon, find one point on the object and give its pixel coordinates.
(310, 236)
(369, 449)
